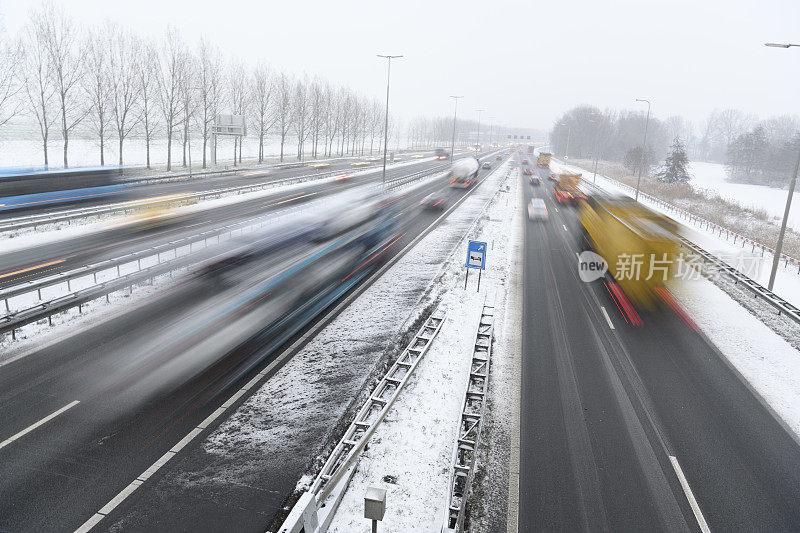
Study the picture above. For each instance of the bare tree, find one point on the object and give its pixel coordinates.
(171, 75)
(239, 97)
(147, 73)
(301, 113)
(187, 101)
(10, 80)
(317, 97)
(65, 65)
(36, 81)
(263, 96)
(283, 107)
(210, 88)
(96, 83)
(125, 56)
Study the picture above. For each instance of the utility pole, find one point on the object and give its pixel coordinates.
(478, 140)
(453, 143)
(779, 247)
(386, 121)
(491, 129)
(644, 148)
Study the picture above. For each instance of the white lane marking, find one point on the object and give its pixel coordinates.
(556, 209)
(701, 521)
(577, 256)
(564, 226)
(124, 493)
(39, 423)
(89, 524)
(608, 319)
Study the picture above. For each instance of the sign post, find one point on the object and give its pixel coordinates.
(476, 258)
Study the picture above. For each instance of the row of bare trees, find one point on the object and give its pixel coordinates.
(115, 85)
(425, 132)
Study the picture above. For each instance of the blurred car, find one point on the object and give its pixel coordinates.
(440, 153)
(499, 157)
(551, 177)
(537, 210)
(536, 180)
(436, 200)
(527, 171)
(486, 164)
(524, 161)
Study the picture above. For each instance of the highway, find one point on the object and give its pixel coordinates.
(127, 390)
(635, 428)
(25, 264)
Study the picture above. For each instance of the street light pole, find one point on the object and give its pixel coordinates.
(644, 148)
(478, 140)
(453, 143)
(386, 121)
(491, 129)
(779, 247)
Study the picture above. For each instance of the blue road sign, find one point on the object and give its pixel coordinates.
(476, 255)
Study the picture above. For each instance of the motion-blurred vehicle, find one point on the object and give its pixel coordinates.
(158, 212)
(463, 173)
(543, 159)
(438, 200)
(524, 161)
(566, 189)
(639, 245)
(536, 180)
(527, 172)
(537, 210)
(360, 164)
(531, 149)
(486, 164)
(441, 153)
(551, 176)
(27, 188)
(498, 158)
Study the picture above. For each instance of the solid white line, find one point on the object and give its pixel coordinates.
(124, 493)
(155, 466)
(563, 226)
(608, 319)
(89, 524)
(689, 495)
(37, 424)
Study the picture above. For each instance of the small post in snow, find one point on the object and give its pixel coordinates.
(375, 506)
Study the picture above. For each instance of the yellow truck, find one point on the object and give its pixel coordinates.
(566, 189)
(544, 159)
(639, 246)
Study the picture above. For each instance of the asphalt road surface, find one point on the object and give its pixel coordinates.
(635, 428)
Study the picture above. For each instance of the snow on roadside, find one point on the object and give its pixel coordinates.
(769, 363)
(411, 453)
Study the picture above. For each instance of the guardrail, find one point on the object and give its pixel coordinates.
(355, 438)
(33, 221)
(469, 427)
(13, 320)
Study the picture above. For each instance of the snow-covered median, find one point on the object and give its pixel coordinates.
(411, 453)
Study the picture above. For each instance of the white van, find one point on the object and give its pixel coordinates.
(537, 210)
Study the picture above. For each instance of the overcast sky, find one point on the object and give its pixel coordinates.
(524, 62)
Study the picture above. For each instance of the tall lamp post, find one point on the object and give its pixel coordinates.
(779, 247)
(478, 140)
(491, 129)
(453, 143)
(386, 121)
(644, 148)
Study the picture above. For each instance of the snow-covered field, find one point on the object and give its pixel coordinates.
(712, 177)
